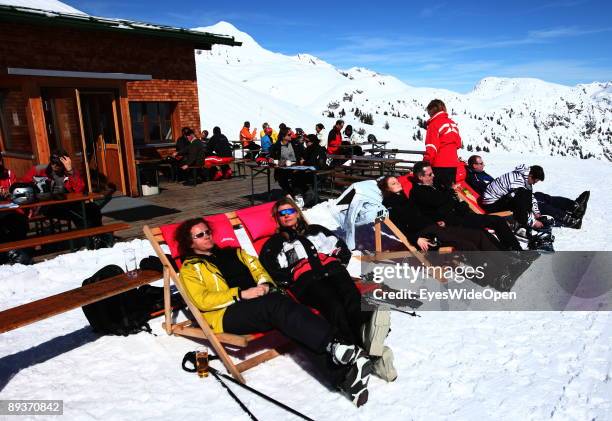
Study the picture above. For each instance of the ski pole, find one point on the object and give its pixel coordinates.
(232, 394)
(260, 394)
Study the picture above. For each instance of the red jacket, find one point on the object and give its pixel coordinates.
(334, 140)
(7, 179)
(442, 141)
(73, 183)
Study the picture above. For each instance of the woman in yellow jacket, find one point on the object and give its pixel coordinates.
(236, 295)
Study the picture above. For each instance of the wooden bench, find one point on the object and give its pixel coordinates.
(63, 236)
(44, 308)
(54, 224)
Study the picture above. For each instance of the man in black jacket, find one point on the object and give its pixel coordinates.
(193, 154)
(444, 207)
(218, 145)
(182, 143)
(314, 155)
(477, 177)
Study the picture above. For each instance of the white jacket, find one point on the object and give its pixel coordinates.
(364, 200)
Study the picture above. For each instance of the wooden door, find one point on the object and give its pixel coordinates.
(63, 126)
(101, 138)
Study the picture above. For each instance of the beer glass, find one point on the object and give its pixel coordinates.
(202, 361)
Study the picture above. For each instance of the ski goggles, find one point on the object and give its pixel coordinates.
(286, 212)
(205, 233)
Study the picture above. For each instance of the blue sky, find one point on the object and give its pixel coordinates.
(442, 44)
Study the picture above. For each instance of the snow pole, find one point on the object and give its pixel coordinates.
(216, 373)
(232, 394)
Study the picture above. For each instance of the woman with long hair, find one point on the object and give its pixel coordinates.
(236, 295)
(309, 261)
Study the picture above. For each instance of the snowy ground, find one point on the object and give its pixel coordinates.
(492, 365)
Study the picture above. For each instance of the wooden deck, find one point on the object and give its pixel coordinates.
(206, 198)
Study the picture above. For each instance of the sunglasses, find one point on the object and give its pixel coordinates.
(205, 233)
(286, 212)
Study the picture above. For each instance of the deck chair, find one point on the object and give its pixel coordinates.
(223, 229)
(406, 182)
(466, 193)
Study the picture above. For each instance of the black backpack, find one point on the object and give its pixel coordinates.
(121, 314)
(130, 311)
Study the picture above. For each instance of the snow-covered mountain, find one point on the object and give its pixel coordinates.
(523, 115)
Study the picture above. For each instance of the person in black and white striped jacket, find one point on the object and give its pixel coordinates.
(513, 191)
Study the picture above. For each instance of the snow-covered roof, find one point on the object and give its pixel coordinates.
(15, 12)
(51, 5)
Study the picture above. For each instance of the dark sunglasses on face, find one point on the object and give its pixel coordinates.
(205, 233)
(286, 212)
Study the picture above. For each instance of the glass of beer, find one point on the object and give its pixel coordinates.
(202, 361)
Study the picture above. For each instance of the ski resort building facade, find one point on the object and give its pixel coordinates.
(105, 90)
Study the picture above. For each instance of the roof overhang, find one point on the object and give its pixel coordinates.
(200, 40)
(19, 71)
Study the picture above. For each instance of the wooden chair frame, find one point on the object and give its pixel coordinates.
(412, 250)
(471, 201)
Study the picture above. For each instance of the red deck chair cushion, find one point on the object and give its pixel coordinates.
(471, 194)
(258, 223)
(223, 234)
(406, 181)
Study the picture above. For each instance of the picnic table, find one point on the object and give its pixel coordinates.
(154, 164)
(237, 146)
(375, 145)
(392, 153)
(70, 198)
(260, 170)
(81, 198)
(371, 163)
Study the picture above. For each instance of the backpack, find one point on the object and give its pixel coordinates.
(121, 314)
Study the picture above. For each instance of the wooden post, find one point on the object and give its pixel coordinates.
(167, 303)
(377, 238)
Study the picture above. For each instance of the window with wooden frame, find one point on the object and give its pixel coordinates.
(152, 123)
(14, 132)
